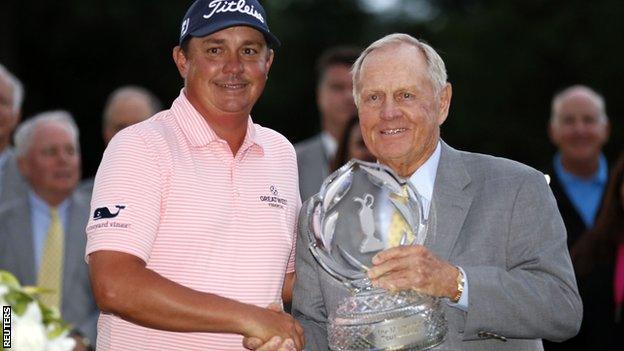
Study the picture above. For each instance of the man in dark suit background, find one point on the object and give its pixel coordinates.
(334, 98)
(579, 128)
(42, 238)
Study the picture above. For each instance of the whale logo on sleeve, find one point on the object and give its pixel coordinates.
(104, 212)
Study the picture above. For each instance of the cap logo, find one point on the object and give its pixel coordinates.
(219, 6)
(185, 26)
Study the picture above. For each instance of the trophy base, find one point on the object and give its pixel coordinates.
(379, 320)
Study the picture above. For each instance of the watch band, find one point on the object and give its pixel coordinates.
(461, 280)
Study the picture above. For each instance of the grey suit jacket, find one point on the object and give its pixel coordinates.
(12, 184)
(498, 220)
(17, 256)
(313, 164)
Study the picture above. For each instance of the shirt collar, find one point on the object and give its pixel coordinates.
(198, 131)
(600, 177)
(39, 205)
(424, 177)
(330, 145)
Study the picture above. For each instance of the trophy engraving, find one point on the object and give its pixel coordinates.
(362, 209)
(367, 221)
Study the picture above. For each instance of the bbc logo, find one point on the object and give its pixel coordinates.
(6, 327)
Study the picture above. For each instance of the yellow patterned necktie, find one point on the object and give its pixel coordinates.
(50, 275)
(398, 225)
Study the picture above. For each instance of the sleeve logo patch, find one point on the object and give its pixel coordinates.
(104, 212)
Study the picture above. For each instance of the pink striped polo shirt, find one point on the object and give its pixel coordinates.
(170, 192)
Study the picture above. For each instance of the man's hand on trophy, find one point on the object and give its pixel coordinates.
(414, 267)
(276, 342)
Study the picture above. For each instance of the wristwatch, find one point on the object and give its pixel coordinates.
(461, 281)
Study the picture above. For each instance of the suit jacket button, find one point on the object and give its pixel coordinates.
(500, 337)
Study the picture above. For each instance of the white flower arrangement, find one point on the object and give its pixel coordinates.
(35, 327)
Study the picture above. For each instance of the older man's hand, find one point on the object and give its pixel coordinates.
(414, 267)
(275, 343)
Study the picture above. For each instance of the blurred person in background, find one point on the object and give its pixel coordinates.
(334, 99)
(12, 184)
(124, 107)
(351, 146)
(579, 128)
(598, 257)
(42, 237)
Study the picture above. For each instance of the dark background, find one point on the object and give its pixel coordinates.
(505, 60)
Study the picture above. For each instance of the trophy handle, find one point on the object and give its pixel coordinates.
(331, 269)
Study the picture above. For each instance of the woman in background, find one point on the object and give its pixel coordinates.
(352, 146)
(598, 259)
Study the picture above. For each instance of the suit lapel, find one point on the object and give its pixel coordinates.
(450, 204)
(20, 230)
(322, 158)
(13, 184)
(74, 240)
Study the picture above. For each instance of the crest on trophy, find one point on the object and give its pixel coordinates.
(364, 208)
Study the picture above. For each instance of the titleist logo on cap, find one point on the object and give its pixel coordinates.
(218, 6)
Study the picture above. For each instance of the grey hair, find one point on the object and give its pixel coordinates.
(24, 135)
(591, 93)
(18, 88)
(125, 92)
(435, 65)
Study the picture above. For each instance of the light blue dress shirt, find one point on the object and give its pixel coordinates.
(423, 180)
(584, 193)
(40, 221)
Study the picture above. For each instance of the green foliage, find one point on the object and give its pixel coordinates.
(19, 297)
(9, 279)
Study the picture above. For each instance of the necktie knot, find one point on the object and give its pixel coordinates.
(402, 196)
(54, 213)
(404, 191)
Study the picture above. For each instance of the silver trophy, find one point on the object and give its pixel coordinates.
(362, 209)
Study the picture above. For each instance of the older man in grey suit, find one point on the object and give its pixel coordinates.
(498, 251)
(42, 237)
(12, 183)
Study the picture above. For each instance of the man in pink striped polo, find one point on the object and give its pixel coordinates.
(194, 210)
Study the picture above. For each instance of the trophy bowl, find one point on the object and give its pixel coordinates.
(362, 209)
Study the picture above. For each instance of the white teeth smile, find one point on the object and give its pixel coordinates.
(392, 131)
(232, 86)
